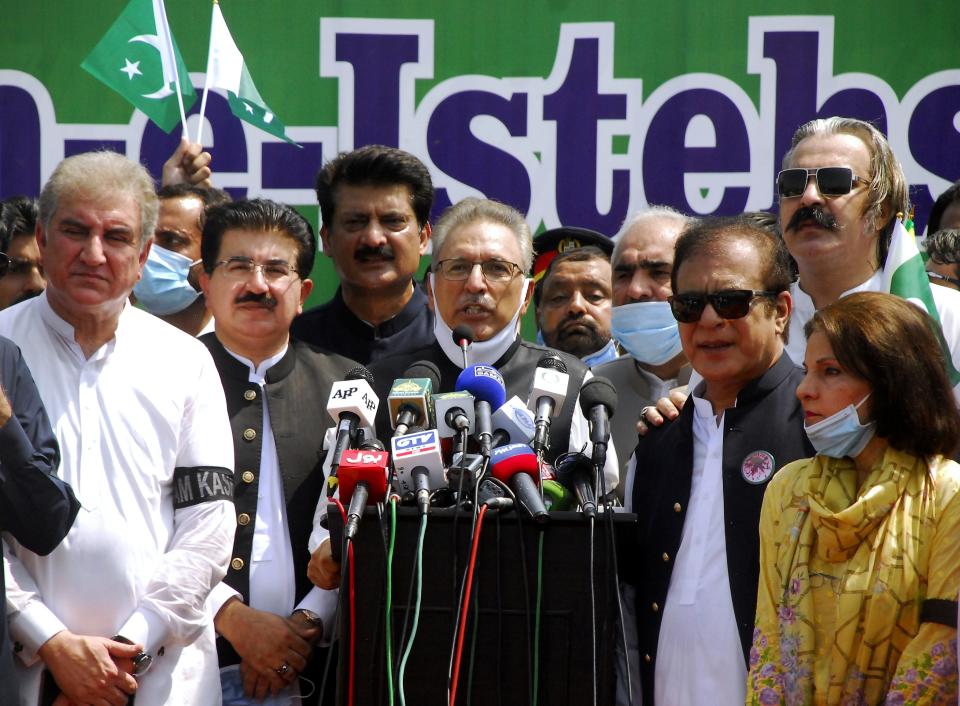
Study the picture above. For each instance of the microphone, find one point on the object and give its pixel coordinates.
(463, 336)
(486, 385)
(352, 403)
(547, 395)
(598, 402)
(516, 465)
(409, 397)
(455, 413)
(363, 479)
(418, 462)
(512, 423)
(575, 472)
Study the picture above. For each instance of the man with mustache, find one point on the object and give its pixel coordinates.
(837, 220)
(257, 256)
(375, 206)
(23, 278)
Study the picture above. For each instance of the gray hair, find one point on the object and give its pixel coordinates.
(943, 247)
(473, 210)
(888, 183)
(101, 175)
(648, 213)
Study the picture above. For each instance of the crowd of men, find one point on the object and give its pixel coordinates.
(160, 456)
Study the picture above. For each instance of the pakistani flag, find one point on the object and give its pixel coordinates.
(226, 70)
(139, 60)
(905, 275)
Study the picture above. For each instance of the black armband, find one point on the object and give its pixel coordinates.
(939, 610)
(200, 484)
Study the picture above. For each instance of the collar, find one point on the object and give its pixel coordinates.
(345, 317)
(238, 368)
(258, 373)
(803, 302)
(65, 330)
(760, 387)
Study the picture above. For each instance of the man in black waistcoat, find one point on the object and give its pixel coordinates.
(267, 614)
(700, 479)
(375, 204)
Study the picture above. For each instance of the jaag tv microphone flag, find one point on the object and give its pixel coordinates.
(410, 397)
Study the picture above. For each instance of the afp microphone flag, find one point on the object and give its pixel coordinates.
(227, 70)
(139, 59)
(905, 275)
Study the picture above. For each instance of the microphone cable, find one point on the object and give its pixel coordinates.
(416, 611)
(388, 627)
(536, 635)
(455, 594)
(465, 604)
(347, 567)
(593, 613)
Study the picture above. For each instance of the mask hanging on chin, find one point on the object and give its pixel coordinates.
(480, 352)
(841, 434)
(647, 331)
(164, 288)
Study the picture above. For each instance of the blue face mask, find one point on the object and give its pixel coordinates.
(841, 434)
(164, 288)
(647, 330)
(604, 355)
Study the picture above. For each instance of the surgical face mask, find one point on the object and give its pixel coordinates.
(647, 330)
(164, 288)
(604, 355)
(480, 352)
(841, 434)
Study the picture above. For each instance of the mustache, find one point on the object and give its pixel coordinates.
(476, 300)
(257, 298)
(365, 252)
(813, 213)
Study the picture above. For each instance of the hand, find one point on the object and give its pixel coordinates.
(666, 408)
(265, 642)
(6, 411)
(189, 164)
(323, 570)
(86, 668)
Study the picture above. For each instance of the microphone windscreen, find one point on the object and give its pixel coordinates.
(463, 333)
(569, 465)
(598, 390)
(554, 362)
(506, 461)
(360, 373)
(425, 369)
(484, 383)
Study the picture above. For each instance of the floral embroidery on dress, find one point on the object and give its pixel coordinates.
(932, 674)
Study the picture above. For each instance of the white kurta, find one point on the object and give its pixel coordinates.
(147, 402)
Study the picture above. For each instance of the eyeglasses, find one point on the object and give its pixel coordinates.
(242, 268)
(458, 269)
(729, 304)
(831, 181)
(4, 264)
(937, 277)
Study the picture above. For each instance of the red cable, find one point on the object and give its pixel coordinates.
(352, 610)
(461, 631)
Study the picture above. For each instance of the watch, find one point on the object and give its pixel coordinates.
(142, 661)
(311, 617)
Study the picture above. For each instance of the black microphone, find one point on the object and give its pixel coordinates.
(351, 402)
(598, 402)
(547, 395)
(517, 466)
(363, 480)
(410, 396)
(575, 472)
(463, 336)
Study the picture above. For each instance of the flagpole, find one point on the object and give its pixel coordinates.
(206, 81)
(176, 71)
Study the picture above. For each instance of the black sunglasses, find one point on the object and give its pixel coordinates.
(831, 181)
(729, 304)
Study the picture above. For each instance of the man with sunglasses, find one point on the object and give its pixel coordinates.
(257, 256)
(21, 276)
(482, 252)
(700, 480)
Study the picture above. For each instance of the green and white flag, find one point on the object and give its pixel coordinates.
(905, 275)
(227, 70)
(138, 58)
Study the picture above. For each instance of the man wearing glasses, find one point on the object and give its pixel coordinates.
(482, 253)
(257, 256)
(119, 607)
(943, 258)
(840, 190)
(701, 479)
(20, 274)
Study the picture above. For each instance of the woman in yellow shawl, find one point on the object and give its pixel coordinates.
(860, 545)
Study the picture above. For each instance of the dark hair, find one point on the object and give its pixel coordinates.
(711, 235)
(375, 165)
(890, 344)
(951, 195)
(210, 196)
(943, 247)
(18, 216)
(587, 252)
(257, 214)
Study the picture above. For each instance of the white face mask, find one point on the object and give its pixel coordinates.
(480, 352)
(841, 434)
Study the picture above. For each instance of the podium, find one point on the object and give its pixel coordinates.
(498, 650)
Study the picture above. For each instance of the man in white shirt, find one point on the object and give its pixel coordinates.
(257, 256)
(119, 606)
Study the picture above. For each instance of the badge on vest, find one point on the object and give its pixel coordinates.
(757, 467)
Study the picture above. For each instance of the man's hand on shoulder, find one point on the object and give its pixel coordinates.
(86, 669)
(667, 408)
